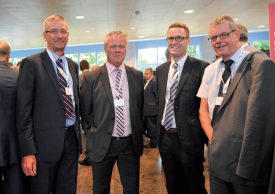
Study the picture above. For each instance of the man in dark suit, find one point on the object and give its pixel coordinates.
(84, 67)
(181, 142)
(111, 104)
(237, 92)
(9, 158)
(47, 114)
(150, 108)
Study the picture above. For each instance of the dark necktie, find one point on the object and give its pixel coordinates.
(227, 70)
(226, 74)
(169, 114)
(119, 109)
(69, 107)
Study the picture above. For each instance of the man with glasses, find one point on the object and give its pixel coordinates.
(47, 114)
(237, 113)
(181, 141)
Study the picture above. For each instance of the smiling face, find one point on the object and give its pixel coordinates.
(177, 48)
(56, 35)
(224, 46)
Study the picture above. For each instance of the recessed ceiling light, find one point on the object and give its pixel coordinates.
(235, 19)
(261, 26)
(189, 11)
(79, 17)
(87, 31)
(132, 28)
(140, 36)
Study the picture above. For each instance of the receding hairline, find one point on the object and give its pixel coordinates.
(115, 33)
(52, 18)
(179, 25)
(4, 48)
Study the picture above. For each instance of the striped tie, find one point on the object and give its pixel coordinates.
(119, 109)
(69, 107)
(169, 114)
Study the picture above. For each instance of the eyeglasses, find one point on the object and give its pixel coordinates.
(222, 36)
(56, 32)
(176, 38)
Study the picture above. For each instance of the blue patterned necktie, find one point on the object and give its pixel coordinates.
(69, 107)
(119, 109)
(169, 114)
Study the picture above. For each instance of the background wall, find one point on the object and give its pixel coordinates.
(206, 51)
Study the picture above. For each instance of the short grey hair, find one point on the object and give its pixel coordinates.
(53, 17)
(224, 19)
(115, 33)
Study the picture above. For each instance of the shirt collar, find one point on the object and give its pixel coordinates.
(111, 68)
(55, 56)
(181, 61)
(235, 56)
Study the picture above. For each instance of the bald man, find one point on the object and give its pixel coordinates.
(9, 159)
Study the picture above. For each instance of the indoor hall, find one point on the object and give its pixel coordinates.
(145, 49)
(152, 180)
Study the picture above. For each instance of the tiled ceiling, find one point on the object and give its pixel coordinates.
(21, 20)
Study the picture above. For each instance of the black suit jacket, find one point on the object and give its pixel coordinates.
(186, 104)
(41, 110)
(8, 137)
(272, 178)
(150, 99)
(98, 111)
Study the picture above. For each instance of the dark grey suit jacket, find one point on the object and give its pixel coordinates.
(97, 110)
(243, 139)
(8, 136)
(272, 178)
(150, 99)
(186, 105)
(41, 110)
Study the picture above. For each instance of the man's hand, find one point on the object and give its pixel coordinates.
(29, 165)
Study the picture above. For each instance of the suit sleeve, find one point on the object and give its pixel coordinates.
(25, 97)
(259, 129)
(86, 100)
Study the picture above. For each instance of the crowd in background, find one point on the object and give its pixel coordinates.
(185, 105)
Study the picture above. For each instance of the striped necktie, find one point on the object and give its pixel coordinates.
(69, 107)
(169, 114)
(119, 109)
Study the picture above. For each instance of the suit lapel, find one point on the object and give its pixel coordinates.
(184, 74)
(162, 82)
(106, 84)
(130, 86)
(235, 81)
(48, 66)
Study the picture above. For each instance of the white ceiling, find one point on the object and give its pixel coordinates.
(21, 20)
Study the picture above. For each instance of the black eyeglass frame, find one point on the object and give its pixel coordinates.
(222, 36)
(176, 38)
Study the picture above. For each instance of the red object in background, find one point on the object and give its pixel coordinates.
(271, 8)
